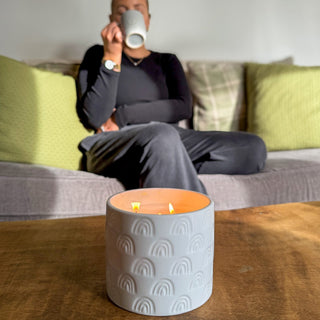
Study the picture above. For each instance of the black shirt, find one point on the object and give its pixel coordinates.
(155, 90)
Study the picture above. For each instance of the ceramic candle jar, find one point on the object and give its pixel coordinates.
(157, 262)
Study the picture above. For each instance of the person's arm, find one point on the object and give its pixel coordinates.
(177, 107)
(97, 89)
(97, 86)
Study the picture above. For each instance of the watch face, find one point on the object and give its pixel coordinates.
(109, 64)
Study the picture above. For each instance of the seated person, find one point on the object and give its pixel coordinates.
(134, 106)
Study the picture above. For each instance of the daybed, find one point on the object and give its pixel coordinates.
(38, 179)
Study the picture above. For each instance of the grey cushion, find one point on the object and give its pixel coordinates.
(37, 192)
(289, 176)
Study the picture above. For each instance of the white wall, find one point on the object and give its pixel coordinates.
(260, 30)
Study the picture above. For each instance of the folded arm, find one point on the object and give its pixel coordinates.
(98, 90)
(176, 106)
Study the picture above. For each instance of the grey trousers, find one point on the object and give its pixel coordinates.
(165, 155)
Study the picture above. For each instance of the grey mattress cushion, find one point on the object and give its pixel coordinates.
(36, 192)
(289, 176)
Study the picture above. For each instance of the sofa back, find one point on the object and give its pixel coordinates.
(217, 87)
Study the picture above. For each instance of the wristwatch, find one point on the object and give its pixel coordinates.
(111, 65)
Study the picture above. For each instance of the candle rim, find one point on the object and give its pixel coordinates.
(113, 201)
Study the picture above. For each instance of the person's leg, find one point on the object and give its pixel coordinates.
(149, 155)
(214, 152)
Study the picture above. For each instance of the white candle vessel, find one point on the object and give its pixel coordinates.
(157, 262)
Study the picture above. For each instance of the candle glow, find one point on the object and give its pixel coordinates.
(135, 206)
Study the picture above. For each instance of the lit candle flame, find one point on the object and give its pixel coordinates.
(135, 206)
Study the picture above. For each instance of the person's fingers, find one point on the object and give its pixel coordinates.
(119, 36)
(116, 33)
(112, 32)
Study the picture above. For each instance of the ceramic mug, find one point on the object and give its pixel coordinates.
(134, 28)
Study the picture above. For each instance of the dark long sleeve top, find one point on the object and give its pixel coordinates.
(155, 90)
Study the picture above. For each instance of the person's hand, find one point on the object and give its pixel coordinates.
(112, 42)
(109, 125)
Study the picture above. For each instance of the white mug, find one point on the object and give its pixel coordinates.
(134, 27)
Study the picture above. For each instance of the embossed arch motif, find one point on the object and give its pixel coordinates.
(162, 248)
(181, 305)
(143, 227)
(144, 267)
(182, 226)
(197, 280)
(125, 244)
(144, 305)
(127, 283)
(164, 287)
(182, 267)
(196, 243)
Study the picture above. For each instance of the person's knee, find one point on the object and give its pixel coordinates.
(246, 155)
(258, 153)
(164, 147)
(163, 138)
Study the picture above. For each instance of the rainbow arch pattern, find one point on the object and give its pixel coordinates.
(193, 267)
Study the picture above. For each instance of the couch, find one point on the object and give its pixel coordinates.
(227, 96)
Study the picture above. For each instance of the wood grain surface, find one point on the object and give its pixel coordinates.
(266, 266)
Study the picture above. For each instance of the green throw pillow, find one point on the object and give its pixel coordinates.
(218, 90)
(284, 105)
(38, 119)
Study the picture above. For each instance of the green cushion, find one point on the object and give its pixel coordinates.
(284, 105)
(38, 119)
(218, 90)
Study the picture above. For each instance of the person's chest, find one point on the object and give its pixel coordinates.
(143, 83)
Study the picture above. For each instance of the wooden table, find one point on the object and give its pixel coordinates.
(267, 266)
